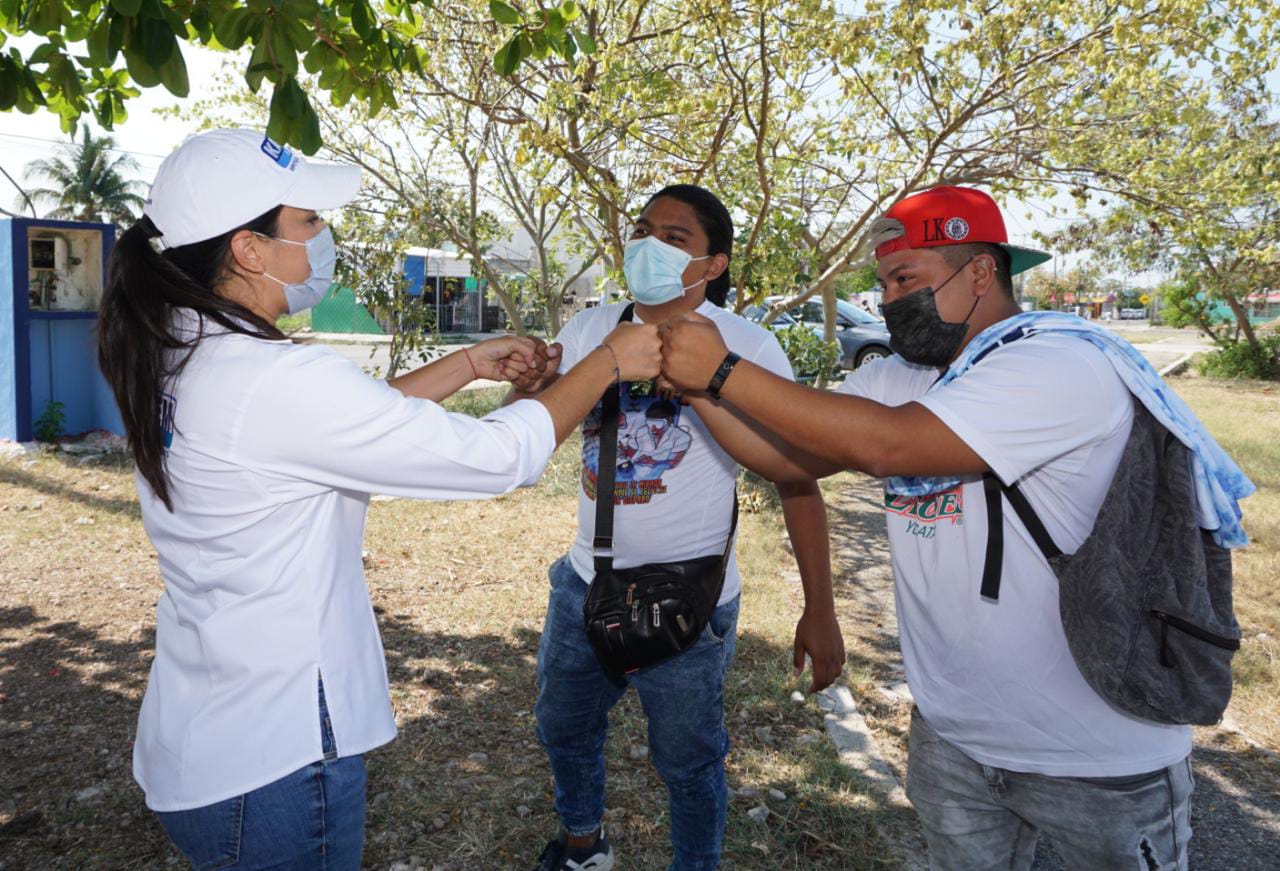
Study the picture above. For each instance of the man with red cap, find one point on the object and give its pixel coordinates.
(1008, 739)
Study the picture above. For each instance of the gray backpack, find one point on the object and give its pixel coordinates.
(1146, 600)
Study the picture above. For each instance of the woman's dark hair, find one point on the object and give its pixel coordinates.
(139, 349)
(716, 223)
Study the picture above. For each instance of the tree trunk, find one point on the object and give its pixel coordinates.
(828, 322)
(504, 299)
(1242, 319)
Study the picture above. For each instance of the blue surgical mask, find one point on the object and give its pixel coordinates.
(322, 257)
(655, 270)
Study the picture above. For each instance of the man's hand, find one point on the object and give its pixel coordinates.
(545, 366)
(819, 636)
(692, 350)
(637, 350)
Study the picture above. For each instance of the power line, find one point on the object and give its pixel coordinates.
(70, 141)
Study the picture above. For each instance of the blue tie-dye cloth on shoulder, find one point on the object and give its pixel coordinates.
(1219, 482)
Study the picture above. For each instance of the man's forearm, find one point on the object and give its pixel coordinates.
(849, 431)
(577, 391)
(805, 514)
(755, 448)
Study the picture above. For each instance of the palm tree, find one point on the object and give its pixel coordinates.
(87, 182)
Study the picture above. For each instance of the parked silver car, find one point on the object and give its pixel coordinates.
(863, 336)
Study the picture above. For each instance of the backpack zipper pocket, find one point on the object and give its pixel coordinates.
(1167, 620)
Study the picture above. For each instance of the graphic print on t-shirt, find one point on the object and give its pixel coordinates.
(923, 512)
(650, 442)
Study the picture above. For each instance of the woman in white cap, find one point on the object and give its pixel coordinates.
(255, 460)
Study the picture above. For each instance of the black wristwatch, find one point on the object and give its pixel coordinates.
(717, 380)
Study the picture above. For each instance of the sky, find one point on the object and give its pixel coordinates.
(146, 136)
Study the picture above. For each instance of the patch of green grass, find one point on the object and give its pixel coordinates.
(289, 324)
(476, 403)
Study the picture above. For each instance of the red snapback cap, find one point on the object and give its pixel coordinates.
(955, 216)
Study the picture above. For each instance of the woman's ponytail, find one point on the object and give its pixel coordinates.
(140, 351)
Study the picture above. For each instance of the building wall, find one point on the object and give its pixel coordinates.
(8, 334)
(48, 352)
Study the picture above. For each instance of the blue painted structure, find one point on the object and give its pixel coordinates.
(48, 356)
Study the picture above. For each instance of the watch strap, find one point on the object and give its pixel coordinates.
(717, 380)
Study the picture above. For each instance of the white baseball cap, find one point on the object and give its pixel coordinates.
(222, 179)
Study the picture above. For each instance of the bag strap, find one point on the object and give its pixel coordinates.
(606, 475)
(606, 469)
(995, 489)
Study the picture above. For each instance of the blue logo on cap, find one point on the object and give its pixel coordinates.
(278, 153)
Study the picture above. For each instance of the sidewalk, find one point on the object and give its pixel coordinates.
(370, 351)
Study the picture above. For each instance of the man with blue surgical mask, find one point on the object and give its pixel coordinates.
(676, 469)
(655, 269)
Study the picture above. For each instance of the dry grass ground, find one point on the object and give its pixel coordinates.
(460, 591)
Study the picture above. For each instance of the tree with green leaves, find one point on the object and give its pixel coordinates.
(88, 180)
(371, 263)
(92, 56)
(1201, 201)
(809, 122)
(808, 119)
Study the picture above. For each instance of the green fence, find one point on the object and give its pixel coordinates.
(340, 312)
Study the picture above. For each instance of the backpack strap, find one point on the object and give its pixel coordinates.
(995, 489)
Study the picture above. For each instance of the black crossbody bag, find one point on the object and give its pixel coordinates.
(641, 616)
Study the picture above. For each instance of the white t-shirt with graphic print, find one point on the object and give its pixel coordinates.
(673, 494)
(997, 678)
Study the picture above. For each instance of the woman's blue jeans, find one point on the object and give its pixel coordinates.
(683, 703)
(310, 819)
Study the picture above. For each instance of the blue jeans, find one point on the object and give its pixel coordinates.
(683, 702)
(976, 817)
(310, 819)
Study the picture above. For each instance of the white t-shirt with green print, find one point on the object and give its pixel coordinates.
(996, 678)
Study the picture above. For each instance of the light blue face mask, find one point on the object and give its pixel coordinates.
(322, 257)
(655, 270)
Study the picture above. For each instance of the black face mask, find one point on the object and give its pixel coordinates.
(918, 334)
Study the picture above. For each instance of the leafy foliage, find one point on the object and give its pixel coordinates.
(356, 48)
(51, 423)
(807, 118)
(370, 263)
(1205, 206)
(1243, 360)
(811, 357)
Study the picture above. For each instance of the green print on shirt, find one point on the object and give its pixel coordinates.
(922, 512)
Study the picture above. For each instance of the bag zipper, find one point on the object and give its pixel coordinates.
(1167, 620)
